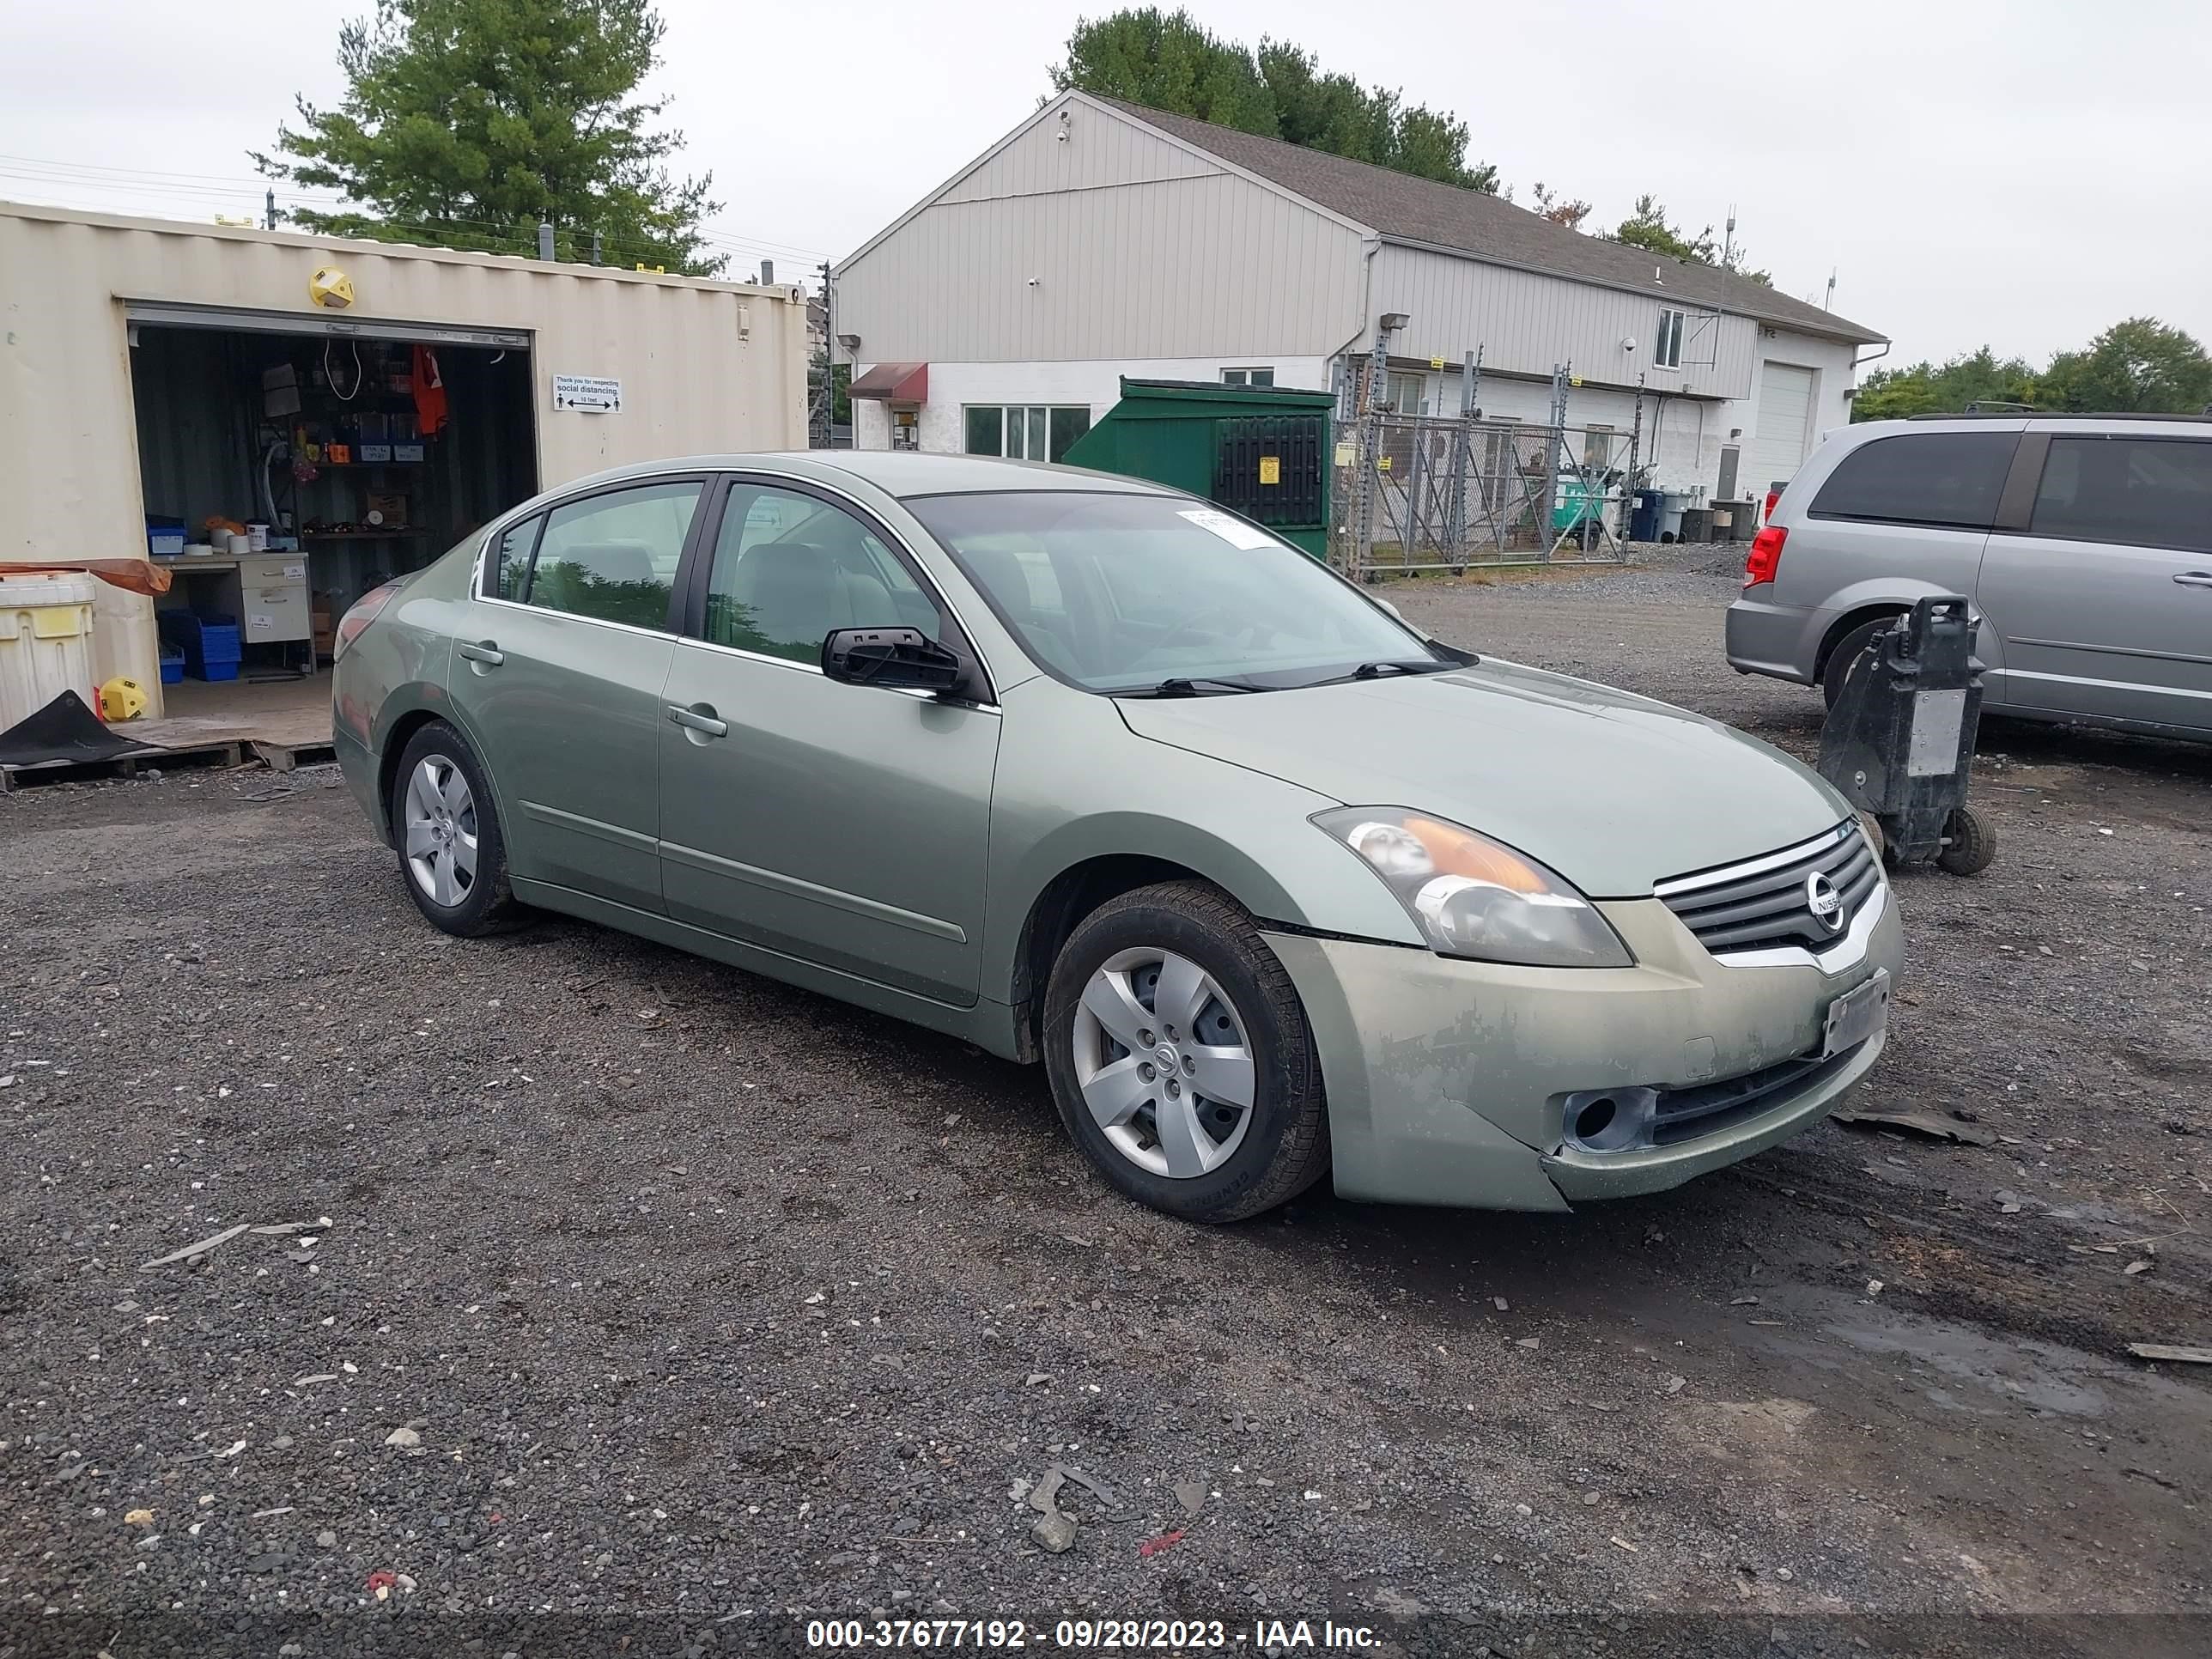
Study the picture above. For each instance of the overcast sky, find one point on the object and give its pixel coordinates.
(2020, 173)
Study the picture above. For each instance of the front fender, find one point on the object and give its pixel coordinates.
(1074, 783)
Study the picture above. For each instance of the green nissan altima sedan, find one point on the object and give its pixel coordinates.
(1090, 771)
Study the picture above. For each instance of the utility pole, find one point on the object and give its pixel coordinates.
(1728, 241)
(269, 217)
(822, 413)
(1829, 304)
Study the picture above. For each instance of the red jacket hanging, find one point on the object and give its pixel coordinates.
(430, 392)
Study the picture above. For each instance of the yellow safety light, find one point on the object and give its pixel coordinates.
(331, 286)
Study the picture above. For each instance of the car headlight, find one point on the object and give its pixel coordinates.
(1472, 896)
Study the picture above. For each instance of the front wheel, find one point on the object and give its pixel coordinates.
(1180, 1058)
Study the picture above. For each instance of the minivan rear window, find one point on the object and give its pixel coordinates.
(2141, 492)
(1950, 479)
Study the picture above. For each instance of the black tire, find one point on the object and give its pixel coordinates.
(1285, 1144)
(1872, 825)
(487, 903)
(1970, 842)
(1848, 649)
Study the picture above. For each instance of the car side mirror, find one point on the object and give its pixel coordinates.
(904, 657)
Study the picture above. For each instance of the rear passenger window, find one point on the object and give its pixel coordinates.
(613, 557)
(510, 575)
(2144, 492)
(1951, 479)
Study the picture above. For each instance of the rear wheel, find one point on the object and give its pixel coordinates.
(1180, 1058)
(451, 850)
(1848, 649)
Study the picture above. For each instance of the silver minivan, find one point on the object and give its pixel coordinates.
(2085, 542)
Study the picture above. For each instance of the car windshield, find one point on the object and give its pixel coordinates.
(1163, 595)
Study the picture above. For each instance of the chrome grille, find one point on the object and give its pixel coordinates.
(1762, 903)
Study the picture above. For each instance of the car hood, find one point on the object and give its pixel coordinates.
(1615, 792)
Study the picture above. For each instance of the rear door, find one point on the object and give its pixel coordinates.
(844, 825)
(558, 679)
(1896, 512)
(2103, 604)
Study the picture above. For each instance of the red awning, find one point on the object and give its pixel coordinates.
(895, 383)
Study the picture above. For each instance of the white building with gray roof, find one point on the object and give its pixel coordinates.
(1100, 239)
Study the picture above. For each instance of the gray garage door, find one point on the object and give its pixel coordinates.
(1785, 425)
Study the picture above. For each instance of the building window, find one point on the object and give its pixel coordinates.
(1248, 377)
(1667, 349)
(1597, 448)
(1025, 431)
(1408, 394)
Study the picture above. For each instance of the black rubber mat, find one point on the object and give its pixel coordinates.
(66, 729)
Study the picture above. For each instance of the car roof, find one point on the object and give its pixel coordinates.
(2155, 426)
(903, 474)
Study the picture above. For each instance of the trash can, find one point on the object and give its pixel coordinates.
(1644, 518)
(45, 641)
(1697, 524)
(1899, 739)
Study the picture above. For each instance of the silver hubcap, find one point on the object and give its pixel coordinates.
(1163, 1062)
(441, 831)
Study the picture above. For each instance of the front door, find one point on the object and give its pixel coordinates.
(843, 825)
(2104, 606)
(558, 674)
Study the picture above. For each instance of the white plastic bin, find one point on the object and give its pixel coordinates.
(45, 642)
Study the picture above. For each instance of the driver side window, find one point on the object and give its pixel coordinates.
(789, 569)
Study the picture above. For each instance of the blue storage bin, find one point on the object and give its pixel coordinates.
(204, 641)
(164, 536)
(172, 666)
(215, 671)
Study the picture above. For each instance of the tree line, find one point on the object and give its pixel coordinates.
(2140, 365)
(1167, 60)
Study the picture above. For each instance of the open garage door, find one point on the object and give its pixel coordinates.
(1785, 425)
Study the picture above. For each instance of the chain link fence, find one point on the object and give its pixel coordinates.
(1424, 493)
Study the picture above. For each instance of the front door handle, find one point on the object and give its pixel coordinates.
(487, 653)
(700, 719)
(2195, 579)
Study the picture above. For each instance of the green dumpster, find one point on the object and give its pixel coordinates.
(1259, 451)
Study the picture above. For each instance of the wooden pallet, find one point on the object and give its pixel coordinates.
(288, 756)
(231, 753)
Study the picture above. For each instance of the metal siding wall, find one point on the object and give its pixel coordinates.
(69, 462)
(1097, 151)
(1180, 268)
(1525, 323)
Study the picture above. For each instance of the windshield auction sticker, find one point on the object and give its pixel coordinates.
(1234, 531)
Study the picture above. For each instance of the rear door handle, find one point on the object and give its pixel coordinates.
(2195, 579)
(487, 653)
(693, 720)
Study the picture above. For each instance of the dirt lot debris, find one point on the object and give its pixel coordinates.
(2185, 1356)
(1191, 1494)
(1053, 1531)
(214, 1241)
(1165, 1542)
(1933, 1124)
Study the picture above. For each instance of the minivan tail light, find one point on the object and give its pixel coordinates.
(362, 612)
(1765, 555)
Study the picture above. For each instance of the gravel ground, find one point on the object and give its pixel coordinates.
(635, 1285)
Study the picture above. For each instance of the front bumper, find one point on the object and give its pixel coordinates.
(1446, 1079)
